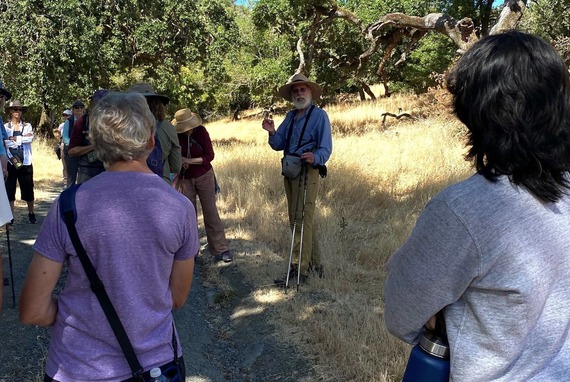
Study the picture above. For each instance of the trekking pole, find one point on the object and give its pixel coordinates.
(293, 233)
(11, 267)
(302, 224)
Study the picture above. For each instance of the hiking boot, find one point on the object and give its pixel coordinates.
(32, 218)
(292, 277)
(227, 256)
(317, 270)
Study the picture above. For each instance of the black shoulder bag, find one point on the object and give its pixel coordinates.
(173, 370)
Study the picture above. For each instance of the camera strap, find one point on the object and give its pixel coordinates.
(290, 132)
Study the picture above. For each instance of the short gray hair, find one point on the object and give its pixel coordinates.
(121, 125)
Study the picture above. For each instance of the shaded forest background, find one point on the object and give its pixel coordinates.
(218, 58)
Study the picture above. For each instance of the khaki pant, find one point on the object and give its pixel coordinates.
(204, 188)
(294, 189)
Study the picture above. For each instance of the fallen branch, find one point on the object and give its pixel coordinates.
(397, 116)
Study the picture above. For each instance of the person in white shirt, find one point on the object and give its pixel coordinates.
(19, 149)
(65, 115)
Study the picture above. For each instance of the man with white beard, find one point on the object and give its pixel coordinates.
(306, 140)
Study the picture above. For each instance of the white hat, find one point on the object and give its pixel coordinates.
(67, 112)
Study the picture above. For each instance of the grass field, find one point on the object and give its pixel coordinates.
(380, 177)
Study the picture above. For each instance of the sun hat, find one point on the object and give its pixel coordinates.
(98, 94)
(77, 103)
(285, 90)
(148, 91)
(185, 120)
(4, 91)
(67, 112)
(14, 104)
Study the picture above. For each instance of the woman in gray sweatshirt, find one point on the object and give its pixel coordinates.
(492, 252)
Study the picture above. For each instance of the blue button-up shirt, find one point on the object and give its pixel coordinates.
(317, 137)
(66, 133)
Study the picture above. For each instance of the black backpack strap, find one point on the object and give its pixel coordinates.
(68, 213)
(290, 132)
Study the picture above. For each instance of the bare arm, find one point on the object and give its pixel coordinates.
(37, 306)
(181, 281)
(77, 151)
(198, 160)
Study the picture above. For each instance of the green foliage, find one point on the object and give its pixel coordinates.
(54, 52)
(211, 55)
(548, 19)
(433, 55)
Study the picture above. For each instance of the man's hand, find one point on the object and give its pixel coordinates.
(268, 125)
(308, 157)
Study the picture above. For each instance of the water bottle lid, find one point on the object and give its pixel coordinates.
(434, 345)
(155, 373)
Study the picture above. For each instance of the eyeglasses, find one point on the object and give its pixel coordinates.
(18, 109)
(65, 115)
(78, 107)
(300, 90)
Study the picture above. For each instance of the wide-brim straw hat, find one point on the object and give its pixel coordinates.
(16, 103)
(297, 79)
(148, 91)
(185, 120)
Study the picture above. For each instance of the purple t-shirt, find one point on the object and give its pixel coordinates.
(133, 226)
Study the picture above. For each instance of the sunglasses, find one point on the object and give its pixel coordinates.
(17, 109)
(78, 107)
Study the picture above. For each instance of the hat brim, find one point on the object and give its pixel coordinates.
(186, 126)
(6, 93)
(285, 90)
(164, 99)
(24, 108)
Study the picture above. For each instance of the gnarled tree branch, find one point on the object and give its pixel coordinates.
(391, 28)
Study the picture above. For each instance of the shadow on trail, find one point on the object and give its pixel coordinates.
(23, 348)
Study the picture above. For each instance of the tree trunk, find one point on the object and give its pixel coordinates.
(368, 91)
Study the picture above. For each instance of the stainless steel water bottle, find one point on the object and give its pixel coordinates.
(429, 359)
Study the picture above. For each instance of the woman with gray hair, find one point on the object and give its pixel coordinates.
(146, 268)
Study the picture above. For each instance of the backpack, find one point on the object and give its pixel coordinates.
(154, 160)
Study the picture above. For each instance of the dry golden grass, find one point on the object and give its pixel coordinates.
(379, 180)
(48, 179)
(380, 177)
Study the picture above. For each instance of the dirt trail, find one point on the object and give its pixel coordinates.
(219, 344)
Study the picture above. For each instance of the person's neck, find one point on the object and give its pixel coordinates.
(16, 121)
(135, 165)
